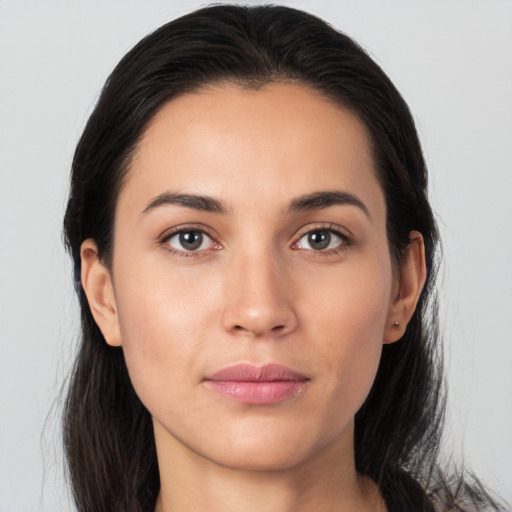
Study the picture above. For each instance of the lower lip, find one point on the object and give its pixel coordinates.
(258, 393)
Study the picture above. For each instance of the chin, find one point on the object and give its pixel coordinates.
(269, 452)
(261, 459)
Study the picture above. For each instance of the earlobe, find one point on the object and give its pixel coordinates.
(97, 284)
(406, 293)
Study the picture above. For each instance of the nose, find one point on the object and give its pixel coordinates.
(258, 298)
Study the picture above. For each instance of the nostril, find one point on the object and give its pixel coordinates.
(277, 328)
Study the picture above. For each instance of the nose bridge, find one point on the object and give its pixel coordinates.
(257, 296)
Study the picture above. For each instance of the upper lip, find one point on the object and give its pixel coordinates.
(250, 373)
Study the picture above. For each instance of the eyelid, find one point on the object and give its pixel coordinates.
(170, 232)
(184, 227)
(338, 230)
(323, 226)
(343, 233)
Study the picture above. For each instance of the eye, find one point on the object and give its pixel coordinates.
(321, 240)
(189, 240)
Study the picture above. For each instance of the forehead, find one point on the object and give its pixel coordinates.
(282, 140)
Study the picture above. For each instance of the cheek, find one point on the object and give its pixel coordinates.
(163, 317)
(350, 317)
(352, 300)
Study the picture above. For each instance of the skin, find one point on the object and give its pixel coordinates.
(256, 291)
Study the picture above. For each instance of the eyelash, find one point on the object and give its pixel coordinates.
(346, 241)
(168, 235)
(332, 229)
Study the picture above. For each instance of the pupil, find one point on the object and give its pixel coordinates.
(319, 239)
(191, 240)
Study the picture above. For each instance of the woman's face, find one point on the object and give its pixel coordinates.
(252, 231)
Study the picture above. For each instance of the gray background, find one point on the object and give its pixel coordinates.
(452, 62)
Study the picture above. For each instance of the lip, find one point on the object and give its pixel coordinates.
(257, 385)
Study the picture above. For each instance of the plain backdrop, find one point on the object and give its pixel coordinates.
(452, 61)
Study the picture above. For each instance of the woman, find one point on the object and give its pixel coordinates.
(255, 260)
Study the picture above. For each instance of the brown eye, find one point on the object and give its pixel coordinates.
(190, 240)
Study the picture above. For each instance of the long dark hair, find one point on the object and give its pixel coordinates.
(108, 433)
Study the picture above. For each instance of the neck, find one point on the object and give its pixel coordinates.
(327, 481)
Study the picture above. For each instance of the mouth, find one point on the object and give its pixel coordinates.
(257, 385)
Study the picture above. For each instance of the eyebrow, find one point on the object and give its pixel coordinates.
(196, 202)
(324, 199)
(309, 202)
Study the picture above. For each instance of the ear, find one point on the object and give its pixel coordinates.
(97, 284)
(407, 288)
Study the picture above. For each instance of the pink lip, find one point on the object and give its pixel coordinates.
(255, 385)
